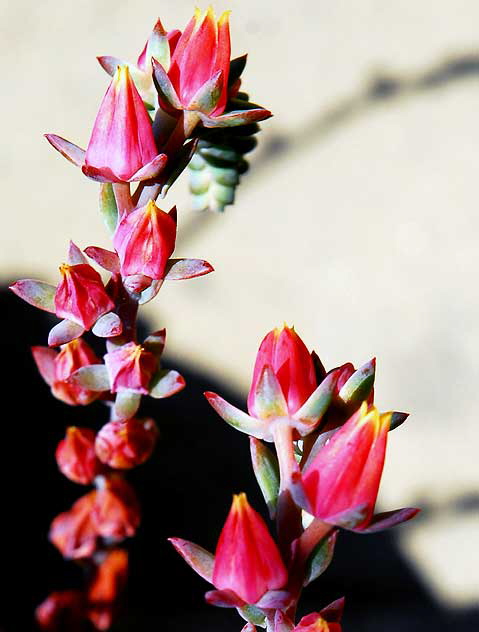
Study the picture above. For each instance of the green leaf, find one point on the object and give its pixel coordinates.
(266, 470)
(108, 207)
(320, 558)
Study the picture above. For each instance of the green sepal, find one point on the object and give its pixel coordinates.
(253, 615)
(266, 470)
(320, 558)
(108, 207)
(359, 386)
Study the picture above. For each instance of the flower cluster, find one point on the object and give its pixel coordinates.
(324, 474)
(146, 131)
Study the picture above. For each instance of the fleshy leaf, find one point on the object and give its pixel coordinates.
(150, 170)
(237, 418)
(253, 615)
(37, 293)
(397, 419)
(179, 269)
(64, 332)
(69, 150)
(155, 342)
(266, 469)
(237, 66)
(320, 558)
(110, 64)
(234, 118)
(108, 326)
(269, 398)
(209, 94)
(126, 404)
(276, 599)
(93, 377)
(317, 403)
(223, 599)
(150, 292)
(334, 611)
(350, 518)
(75, 255)
(389, 519)
(200, 560)
(108, 207)
(105, 258)
(282, 623)
(359, 385)
(164, 86)
(166, 383)
(45, 361)
(249, 627)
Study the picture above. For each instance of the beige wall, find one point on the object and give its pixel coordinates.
(362, 232)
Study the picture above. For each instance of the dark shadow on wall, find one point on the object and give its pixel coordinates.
(185, 490)
(382, 88)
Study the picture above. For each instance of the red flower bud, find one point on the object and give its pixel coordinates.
(130, 368)
(81, 296)
(56, 368)
(76, 456)
(122, 144)
(73, 532)
(286, 354)
(126, 444)
(314, 622)
(202, 51)
(106, 588)
(64, 610)
(110, 512)
(247, 560)
(116, 512)
(144, 240)
(346, 472)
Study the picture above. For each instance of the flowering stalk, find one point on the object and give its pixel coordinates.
(143, 137)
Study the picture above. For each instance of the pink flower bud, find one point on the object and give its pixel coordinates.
(76, 456)
(130, 368)
(73, 532)
(144, 240)
(63, 610)
(247, 560)
(122, 141)
(56, 368)
(286, 354)
(202, 51)
(126, 444)
(106, 587)
(346, 472)
(81, 296)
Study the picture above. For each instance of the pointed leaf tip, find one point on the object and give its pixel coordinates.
(200, 560)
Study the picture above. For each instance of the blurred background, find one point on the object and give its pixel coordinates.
(357, 223)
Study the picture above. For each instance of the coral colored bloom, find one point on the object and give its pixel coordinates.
(106, 587)
(62, 610)
(56, 368)
(75, 455)
(145, 240)
(126, 444)
(122, 141)
(247, 560)
(130, 368)
(286, 354)
(346, 472)
(202, 51)
(314, 622)
(74, 532)
(110, 512)
(81, 296)
(116, 512)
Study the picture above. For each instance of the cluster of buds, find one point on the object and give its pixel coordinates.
(324, 474)
(146, 131)
(180, 104)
